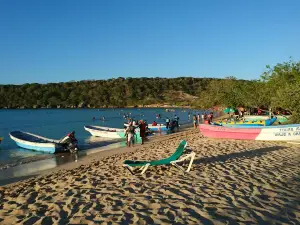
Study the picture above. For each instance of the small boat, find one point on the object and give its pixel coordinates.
(248, 123)
(289, 132)
(35, 142)
(107, 132)
(280, 118)
(1, 139)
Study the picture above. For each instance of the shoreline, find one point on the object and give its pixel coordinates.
(68, 161)
(231, 181)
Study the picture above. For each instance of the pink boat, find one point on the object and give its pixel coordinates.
(289, 132)
(233, 133)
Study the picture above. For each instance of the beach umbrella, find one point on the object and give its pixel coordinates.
(229, 110)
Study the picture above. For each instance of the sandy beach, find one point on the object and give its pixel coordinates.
(243, 182)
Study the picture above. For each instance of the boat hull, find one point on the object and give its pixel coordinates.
(156, 128)
(106, 132)
(35, 146)
(276, 133)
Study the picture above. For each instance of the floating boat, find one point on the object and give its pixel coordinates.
(107, 132)
(248, 123)
(35, 142)
(289, 132)
(1, 139)
(280, 118)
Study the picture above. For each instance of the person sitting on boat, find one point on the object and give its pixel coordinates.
(154, 123)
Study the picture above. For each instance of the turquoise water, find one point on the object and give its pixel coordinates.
(56, 123)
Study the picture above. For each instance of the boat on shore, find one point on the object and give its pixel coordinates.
(247, 123)
(289, 132)
(107, 132)
(280, 118)
(35, 142)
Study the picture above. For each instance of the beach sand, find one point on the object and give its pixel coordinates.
(245, 182)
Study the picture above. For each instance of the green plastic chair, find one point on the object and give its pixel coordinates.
(172, 160)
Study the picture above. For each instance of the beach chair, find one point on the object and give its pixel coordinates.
(172, 160)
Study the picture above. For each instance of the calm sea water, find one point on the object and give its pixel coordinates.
(56, 123)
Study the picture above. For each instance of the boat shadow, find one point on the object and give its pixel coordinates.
(246, 154)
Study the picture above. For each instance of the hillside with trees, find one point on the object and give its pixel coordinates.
(120, 92)
(279, 87)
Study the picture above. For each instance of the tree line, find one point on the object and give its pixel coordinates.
(278, 87)
(119, 92)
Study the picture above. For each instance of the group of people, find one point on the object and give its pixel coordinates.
(171, 124)
(204, 118)
(130, 131)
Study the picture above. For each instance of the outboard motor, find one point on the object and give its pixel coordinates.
(69, 142)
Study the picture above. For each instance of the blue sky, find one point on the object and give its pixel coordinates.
(56, 41)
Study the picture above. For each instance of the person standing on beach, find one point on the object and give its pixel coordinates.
(129, 133)
(142, 127)
(176, 119)
(158, 128)
(195, 121)
(198, 118)
(167, 122)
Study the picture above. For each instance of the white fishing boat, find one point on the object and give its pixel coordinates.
(107, 132)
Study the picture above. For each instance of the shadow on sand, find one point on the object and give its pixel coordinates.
(245, 154)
